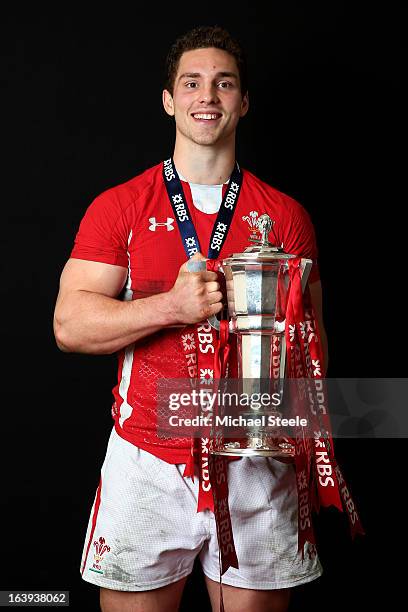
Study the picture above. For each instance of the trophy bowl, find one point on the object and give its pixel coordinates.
(257, 282)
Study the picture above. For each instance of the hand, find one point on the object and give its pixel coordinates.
(195, 296)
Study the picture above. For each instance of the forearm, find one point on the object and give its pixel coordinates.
(87, 322)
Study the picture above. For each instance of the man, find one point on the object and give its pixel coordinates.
(144, 530)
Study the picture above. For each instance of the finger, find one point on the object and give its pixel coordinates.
(214, 309)
(196, 266)
(212, 286)
(198, 256)
(214, 297)
(209, 276)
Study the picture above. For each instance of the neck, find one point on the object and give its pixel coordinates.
(204, 165)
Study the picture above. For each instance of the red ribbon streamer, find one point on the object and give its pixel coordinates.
(317, 472)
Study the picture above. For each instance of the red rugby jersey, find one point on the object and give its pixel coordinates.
(133, 225)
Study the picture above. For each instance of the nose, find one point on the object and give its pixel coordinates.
(208, 93)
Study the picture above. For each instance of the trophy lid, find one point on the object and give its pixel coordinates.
(262, 250)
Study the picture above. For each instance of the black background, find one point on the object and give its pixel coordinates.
(82, 95)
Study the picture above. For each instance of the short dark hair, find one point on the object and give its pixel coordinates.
(203, 37)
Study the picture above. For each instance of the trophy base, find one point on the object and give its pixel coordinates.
(261, 447)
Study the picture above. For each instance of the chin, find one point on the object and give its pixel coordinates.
(205, 140)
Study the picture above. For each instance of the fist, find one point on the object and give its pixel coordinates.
(195, 296)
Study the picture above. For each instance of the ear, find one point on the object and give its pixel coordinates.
(168, 102)
(244, 105)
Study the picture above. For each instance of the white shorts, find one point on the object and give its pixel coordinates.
(144, 530)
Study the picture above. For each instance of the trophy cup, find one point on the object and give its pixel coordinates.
(257, 282)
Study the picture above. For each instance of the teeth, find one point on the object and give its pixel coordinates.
(202, 116)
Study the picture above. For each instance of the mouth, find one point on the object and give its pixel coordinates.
(206, 117)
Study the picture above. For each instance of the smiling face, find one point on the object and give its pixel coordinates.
(207, 102)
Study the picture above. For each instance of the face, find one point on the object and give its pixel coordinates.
(207, 102)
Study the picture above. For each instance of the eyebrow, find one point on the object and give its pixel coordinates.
(195, 75)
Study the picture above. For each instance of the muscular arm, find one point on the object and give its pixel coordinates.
(316, 295)
(89, 318)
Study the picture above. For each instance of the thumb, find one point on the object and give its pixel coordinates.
(197, 256)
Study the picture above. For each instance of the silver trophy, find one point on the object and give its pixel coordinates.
(257, 282)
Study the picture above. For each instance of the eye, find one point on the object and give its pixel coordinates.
(225, 84)
(191, 84)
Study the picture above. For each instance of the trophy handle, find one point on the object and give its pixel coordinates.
(201, 266)
(305, 267)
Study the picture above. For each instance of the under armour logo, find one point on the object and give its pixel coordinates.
(154, 224)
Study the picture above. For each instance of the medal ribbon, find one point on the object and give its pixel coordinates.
(182, 214)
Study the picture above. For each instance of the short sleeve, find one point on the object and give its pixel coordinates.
(103, 232)
(301, 239)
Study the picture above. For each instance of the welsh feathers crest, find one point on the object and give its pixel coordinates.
(100, 549)
(252, 220)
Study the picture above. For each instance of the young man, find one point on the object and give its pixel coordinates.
(144, 530)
